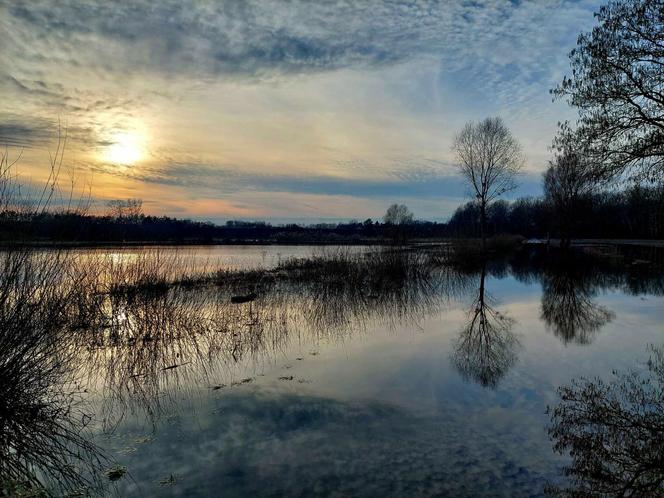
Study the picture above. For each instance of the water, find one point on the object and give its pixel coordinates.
(441, 390)
(231, 257)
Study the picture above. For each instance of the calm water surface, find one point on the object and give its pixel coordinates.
(231, 257)
(320, 397)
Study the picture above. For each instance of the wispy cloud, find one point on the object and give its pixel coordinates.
(245, 96)
(19, 133)
(498, 40)
(396, 184)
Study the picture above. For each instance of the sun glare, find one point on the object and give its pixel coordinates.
(125, 149)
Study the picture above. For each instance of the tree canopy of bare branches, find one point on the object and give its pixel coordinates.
(571, 176)
(617, 85)
(126, 209)
(489, 158)
(398, 214)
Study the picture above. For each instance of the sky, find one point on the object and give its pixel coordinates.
(279, 110)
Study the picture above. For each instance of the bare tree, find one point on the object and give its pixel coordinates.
(571, 176)
(129, 209)
(489, 159)
(398, 217)
(616, 85)
(398, 214)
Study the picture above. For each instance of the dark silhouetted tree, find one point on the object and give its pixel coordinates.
(489, 158)
(617, 84)
(399, 217)
(569, 178)
(126, 209)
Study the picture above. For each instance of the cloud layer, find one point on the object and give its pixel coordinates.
(289, 86)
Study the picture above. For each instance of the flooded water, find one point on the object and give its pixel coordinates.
(438, 389)
(232, 257)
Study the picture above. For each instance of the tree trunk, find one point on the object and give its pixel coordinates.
(483, 224)
(482, 278)
(566, 228)
(566, 242)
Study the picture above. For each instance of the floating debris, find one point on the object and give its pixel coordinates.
(171, 367)
(243, 381)
(289, 377)
(116, 472)
(217, 387)
(168, 481)
(247, 298)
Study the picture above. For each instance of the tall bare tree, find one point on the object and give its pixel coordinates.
(571, 177)
(489, 158)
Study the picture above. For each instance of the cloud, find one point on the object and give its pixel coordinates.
(398, 183)
(251, 38)
(361, 90)
(504, 41)
(15, 132)
(219, 192)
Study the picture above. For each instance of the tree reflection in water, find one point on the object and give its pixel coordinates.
(614, 433)
(568, 308)
(143, 338)
(486, 347)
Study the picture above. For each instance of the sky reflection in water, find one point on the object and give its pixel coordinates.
(382, 407)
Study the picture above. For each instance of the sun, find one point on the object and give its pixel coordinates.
(126, 149)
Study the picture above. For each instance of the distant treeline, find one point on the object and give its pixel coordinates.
(636, 213)
(53, 227)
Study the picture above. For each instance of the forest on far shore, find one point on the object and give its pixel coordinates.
(636, 213)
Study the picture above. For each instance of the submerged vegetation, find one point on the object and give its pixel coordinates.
(144, 326)
(141, 327)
